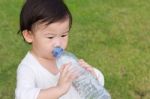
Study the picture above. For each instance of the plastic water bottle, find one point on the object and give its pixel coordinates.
(86, 84)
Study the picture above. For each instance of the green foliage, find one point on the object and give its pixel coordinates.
(112, 35)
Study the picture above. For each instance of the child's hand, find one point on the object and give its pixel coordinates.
(87, 67)
(67, 76)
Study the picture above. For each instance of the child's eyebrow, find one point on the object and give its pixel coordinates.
(50, 33)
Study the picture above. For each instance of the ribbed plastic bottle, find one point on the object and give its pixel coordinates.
(86, 84)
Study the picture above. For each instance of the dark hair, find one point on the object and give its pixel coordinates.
(48, 11)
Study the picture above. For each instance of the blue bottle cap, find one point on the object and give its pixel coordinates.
(57, 51)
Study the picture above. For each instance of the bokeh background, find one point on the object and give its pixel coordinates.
(111, 35)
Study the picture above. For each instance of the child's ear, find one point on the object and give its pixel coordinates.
(28, 36)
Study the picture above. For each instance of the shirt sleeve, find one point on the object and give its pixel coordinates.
(99, 76)
(26, 88)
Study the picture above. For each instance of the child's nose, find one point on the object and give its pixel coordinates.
(57, 42)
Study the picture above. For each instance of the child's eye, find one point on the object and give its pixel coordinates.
(50, 37)
(64, 35)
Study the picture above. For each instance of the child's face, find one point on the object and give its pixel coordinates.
(45, 38)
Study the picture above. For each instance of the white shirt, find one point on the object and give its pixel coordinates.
(32, 77)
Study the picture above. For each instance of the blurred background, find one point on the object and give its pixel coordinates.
(111, 35)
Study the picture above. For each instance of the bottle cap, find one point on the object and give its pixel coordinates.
(57, 51)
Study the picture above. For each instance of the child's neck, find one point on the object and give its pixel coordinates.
(48, 64)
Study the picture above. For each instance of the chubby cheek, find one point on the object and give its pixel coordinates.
(47, 51)
(65, 43)
(45, 48)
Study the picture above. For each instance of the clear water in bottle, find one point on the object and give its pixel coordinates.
(86, 84)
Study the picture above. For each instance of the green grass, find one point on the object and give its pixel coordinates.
(112, 35)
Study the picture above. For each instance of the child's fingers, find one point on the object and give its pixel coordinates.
(84, 64)
(64, 66)
(71, 73)
(91, 70)
(68, 72)
(74, 73)
(64, 69)
(87, 67)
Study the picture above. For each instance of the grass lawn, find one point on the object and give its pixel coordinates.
(112, 35)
